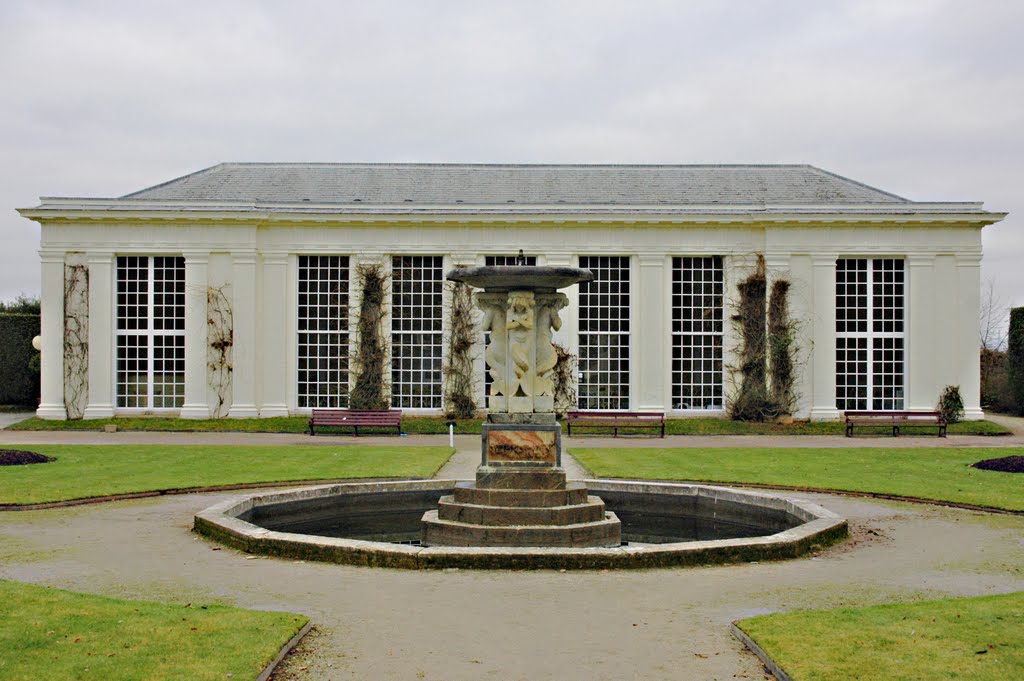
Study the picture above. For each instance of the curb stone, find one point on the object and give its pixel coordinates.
(285, 649)
(769, 663)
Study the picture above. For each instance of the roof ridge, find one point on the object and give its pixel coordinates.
(447, 164)
(859, 184)
(203, 171)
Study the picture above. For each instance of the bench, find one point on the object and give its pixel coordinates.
(352, 418)
(896, 420)
(615, 420)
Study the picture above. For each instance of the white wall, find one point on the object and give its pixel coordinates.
(257, 266)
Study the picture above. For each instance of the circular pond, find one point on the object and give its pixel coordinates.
(379, 524)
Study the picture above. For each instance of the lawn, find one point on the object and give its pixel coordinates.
(83, 471)
(429, 424)
(941, 474)
(961, 638)
(53, 634)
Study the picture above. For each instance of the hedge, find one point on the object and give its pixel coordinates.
(19, 383)
(1015, 354)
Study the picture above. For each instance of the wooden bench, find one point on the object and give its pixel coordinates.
(351, 418)
(615, 420)
(896, 420)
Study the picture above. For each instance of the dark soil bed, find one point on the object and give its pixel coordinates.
(1007, 464)
(19, 457)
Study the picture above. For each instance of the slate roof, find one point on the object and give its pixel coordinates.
(503, 184)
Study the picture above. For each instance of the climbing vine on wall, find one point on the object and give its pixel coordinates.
(564, 378)
(76, 338)
(368, 391)
(459, 369)
(781, 348)
(220, 336)
(766, 349)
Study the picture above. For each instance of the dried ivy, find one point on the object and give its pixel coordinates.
(220, 339)
(459, 369)
(766, 349)
(76, 339)
(564, 378)
(368, 390)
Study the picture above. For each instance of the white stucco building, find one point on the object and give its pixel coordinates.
(885, 290)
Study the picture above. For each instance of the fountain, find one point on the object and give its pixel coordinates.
(520, 496)
(520, 512)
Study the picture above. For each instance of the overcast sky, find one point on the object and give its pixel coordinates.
(921, 98)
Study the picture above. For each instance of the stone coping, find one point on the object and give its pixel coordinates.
(820, 528)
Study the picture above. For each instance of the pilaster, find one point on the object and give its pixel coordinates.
(823, 334)
(801, 305)
(243, 349)
(196, 284)
(650, 351)
(969, 337)
(51, 402)
(275, 335)
(101, 336)
(922, 360)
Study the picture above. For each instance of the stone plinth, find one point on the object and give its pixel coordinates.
(521, 504)
(510, 443)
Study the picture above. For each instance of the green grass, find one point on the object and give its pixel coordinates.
(940, 474)
(430, 424)
(961, 638)
(53, 634)
(83, 471)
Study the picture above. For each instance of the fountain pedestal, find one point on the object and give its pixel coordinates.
(520, 496)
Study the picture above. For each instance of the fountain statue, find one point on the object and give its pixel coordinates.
(520, 496)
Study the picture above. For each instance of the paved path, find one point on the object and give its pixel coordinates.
(454, 625)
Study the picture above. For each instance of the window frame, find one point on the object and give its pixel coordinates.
(678, 334)
(123, 401)
(879, 339)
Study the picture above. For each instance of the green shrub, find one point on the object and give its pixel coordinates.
(19, 384)
(995, 381)
(951, 404)
(1015, 357)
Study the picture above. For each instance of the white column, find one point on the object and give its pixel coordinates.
(823, 330)
(243, 348)
(101, 336)
(51, 403)
(196, 285)
(922, 329)
(968, 357)
(649, 335)
(275, 335)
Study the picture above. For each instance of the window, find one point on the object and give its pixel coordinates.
(417, 284)
(604, 334)
(150, 338)
(870, 362)
(323, 331)
(499, 261)
(697, 292)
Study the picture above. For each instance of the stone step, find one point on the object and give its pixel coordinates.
(592, 510)
(438, 532)
(468, 493)
(520, 477)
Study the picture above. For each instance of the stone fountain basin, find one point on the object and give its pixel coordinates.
(521, 277)
(384, 512)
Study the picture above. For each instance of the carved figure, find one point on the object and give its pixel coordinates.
(497, 350)
(521, 339)
(547, 320)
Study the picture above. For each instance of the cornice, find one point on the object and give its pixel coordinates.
(78, 211)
